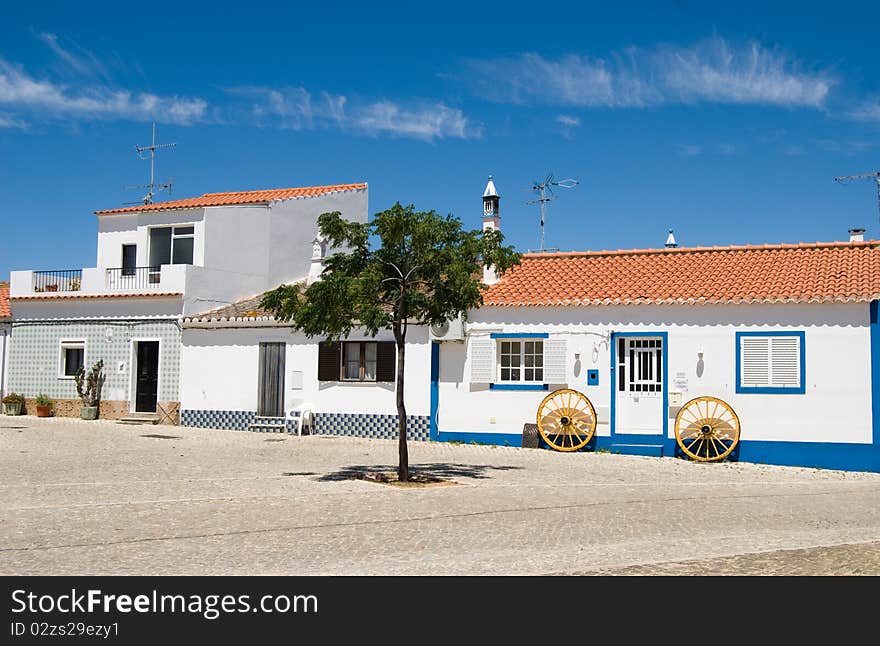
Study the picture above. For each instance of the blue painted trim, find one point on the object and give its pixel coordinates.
(466, 437)
(633, 438)
(875, 373)
(435, 390)
(767, 390)
(518, 386)
(519, 335)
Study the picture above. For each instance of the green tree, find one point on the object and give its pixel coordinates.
(405, 267)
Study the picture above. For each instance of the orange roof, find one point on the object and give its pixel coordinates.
(784, 273)
(5, 312)
(241, 197)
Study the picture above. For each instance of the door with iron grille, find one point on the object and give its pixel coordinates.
(639, 385)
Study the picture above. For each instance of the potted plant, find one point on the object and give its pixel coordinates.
(88, 387)
(13, 403)
(44, 406)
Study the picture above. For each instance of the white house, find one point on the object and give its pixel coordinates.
(5, 335)
(157, 263)
(786, 336)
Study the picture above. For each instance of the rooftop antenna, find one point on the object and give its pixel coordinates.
(872, 176)
(152, 187)
(544, 188)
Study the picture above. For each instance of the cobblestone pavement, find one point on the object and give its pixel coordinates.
(82, 497)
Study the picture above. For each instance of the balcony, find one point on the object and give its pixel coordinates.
(57, 280)
(99, 281)
(133, 278)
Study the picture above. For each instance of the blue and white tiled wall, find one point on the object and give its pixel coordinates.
(350, 424)
(34, 356)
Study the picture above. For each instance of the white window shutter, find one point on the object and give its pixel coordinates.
(785, 359)
(555, 363)
(755, 361)
(482, 360)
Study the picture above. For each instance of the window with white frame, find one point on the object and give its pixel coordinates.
(171, 245)
(71, 358)
(770, 363)
(521, 360)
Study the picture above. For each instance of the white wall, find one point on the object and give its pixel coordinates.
(294, 226)
(835, 408)
(116, 230)
(96, 308)
(219, 372)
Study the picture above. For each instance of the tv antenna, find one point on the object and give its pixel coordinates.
(544, 189)
(872, 176)
(153, 187)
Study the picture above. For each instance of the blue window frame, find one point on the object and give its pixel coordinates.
(771, 362)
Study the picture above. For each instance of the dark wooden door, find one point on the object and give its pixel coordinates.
(271, 387)
(147, 376)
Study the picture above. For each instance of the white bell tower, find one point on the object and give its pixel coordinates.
(491, 220)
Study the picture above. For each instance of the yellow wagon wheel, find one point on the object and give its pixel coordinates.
(707, 429)
(566, 420)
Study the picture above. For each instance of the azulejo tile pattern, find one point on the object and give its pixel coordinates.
(351, 424)
(371, 425)
(35, 351)
(236, 420)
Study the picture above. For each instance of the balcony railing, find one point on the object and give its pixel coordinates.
(58, 280)
(133, 277)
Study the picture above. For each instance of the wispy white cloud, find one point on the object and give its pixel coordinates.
(12, 122)
(867, 112)
(795, 151)
(689, 150)
(568, 121)
(21, 91)
(711, 71)
(298, 109)
(81, 61)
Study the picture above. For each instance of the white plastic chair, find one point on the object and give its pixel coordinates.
(302, 415)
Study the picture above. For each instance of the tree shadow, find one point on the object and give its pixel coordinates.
(433, 470)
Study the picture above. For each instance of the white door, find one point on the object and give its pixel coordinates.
(638, 405)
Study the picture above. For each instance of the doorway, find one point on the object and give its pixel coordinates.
(146, 376)
(639, 389)
(271, 376)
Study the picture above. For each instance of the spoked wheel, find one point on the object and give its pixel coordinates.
(566, 420)
(707, 429)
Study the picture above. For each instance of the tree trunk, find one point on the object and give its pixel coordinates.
(403, 453)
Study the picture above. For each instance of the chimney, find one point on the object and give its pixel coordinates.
(670, 240)
(491, 220)
(319, 250)
(856, 235)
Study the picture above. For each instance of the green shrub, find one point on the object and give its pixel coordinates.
(42, 400)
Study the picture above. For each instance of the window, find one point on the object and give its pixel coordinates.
(770, 362)
(129, 259)
(521, 361)
(357, 361)
(71, 359)
(171, 245)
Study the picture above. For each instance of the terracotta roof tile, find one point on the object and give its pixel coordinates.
(239, 197)
(245, 309)
(784, 273)
(5, 312)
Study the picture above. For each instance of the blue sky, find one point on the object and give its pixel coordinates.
(724, 121)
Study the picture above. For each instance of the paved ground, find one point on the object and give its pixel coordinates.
(102, 498)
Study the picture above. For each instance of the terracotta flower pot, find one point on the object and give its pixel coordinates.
(44, 411)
